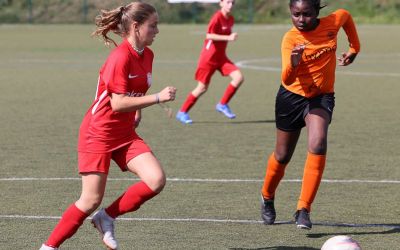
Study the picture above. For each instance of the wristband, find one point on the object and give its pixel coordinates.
(157, 98)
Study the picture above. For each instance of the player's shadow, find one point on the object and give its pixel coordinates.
(277, 248)
(235, 122)
(394, 230)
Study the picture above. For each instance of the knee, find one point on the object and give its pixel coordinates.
(157, 183)
(318, 146)
(282, 157)
(237, 80)
(89, 203)
(200, 89)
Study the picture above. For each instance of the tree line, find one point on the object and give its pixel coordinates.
(246, 11)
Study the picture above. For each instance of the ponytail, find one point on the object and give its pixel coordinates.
(119, 20)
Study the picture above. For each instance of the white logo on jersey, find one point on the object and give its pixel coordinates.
(224, 27)
(133, 94)
(132, 76)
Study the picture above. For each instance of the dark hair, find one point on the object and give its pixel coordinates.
(120, 19)
(315, 3)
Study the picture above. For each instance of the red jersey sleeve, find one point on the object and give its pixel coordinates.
(213, 25)
(115, 73)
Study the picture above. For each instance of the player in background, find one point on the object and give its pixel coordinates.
(213, 57)
(108, 128)
(306, 98)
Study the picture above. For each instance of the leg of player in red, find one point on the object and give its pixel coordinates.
(93, 185)
(152, 176)
(237, 79)
(148, 169)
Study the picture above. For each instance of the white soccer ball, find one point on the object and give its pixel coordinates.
(341, 242)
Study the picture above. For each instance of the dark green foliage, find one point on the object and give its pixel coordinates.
(246, 11)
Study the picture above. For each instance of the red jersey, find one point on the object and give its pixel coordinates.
(124, 72)
(214, 51)
(316, 72)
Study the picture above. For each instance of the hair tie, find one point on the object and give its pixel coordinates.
(122, 9)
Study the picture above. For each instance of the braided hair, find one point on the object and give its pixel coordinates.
(315, 3)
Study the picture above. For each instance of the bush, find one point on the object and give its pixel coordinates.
(257, 11)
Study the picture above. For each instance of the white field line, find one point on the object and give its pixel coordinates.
(196, 180)
(246, 64)
(250, 64)
(209, 220)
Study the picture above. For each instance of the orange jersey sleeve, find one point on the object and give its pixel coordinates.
(316, 72)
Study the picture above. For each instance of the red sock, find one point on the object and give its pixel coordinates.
(314, 167)
(70, 222)
(131, 200)
(229, 92)
(188, 104)
(274, 174)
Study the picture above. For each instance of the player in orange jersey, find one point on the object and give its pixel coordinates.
(108, 128)
(213, 57)
(306, 99)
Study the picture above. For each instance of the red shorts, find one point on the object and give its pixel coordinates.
(204, 72)
(100, 162)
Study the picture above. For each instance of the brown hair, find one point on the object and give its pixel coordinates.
(120, 19)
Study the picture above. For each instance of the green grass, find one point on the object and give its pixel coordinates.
(48, 77)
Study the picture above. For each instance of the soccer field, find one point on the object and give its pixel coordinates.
(215, 167)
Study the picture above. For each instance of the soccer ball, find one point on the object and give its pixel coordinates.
(341, 242)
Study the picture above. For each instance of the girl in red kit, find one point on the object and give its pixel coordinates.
(213, 57)
(108, 128)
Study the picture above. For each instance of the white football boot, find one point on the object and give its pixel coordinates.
(44, 247)
(105, 225)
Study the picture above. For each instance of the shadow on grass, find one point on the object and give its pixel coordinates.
(394, 230)
(277, 248)
(234, 122)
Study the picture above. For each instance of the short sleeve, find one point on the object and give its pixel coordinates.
(213, 25)
(115, 73)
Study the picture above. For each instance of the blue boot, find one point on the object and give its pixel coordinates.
(224, 109)
(183, 117)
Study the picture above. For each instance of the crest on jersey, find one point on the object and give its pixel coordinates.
(331, 34)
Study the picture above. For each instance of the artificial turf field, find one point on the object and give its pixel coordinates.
(215, 167)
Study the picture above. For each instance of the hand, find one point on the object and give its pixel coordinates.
(167, 94)
(297, 53)
(347, 58)
(233, 37)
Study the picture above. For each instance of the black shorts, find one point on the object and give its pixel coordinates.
(291, 108)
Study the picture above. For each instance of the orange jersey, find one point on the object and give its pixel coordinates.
(316, 72)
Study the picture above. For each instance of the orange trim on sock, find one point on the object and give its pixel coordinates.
(274, 174)
(313, 170)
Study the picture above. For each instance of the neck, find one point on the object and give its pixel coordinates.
(136, 47)
(225, 14)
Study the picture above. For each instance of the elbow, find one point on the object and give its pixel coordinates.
(287, 80)
(116, 108)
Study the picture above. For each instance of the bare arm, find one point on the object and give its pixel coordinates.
(216, 37)
(125, 103)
